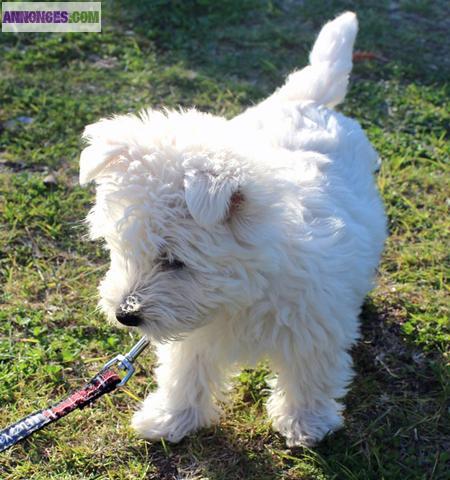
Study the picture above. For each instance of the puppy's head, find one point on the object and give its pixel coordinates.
(177, 212)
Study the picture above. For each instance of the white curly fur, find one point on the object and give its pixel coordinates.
(277, 219)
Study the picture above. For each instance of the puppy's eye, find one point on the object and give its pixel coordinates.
(170, 263)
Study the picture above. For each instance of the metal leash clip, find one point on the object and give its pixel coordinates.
(125, 362)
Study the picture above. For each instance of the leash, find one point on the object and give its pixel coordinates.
(105, 381)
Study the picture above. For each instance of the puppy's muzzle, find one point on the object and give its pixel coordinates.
(128, 312)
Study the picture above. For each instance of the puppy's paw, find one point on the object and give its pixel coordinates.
(156, 421)
(307, 427)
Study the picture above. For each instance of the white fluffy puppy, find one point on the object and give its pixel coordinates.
(237, 240)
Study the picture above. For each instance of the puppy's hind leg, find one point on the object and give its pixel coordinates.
(188, 378)
(303, 406)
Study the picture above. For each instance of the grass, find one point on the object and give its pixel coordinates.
(220, 56)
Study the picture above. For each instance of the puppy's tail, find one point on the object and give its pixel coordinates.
(325, 80)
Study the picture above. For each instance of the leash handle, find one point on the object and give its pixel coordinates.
(104, 382)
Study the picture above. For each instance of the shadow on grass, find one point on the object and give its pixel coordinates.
(259, 42)
(215, 454)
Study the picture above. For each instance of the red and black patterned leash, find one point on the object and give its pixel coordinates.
(105, 381)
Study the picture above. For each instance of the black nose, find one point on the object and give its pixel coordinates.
(129, 319)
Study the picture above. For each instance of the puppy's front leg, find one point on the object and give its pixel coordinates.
(187, 378)
(303, 404)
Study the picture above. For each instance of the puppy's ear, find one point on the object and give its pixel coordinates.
(211, 199)
(94, 159)
(103, 149)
